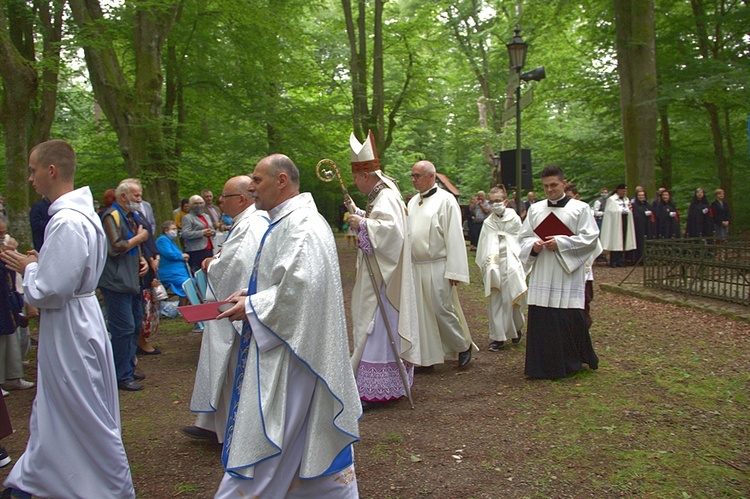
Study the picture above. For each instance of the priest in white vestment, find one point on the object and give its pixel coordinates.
(227, 272)
(295, 407)
(75, 447)
(618, 226)
(502, 271)
(440, 262)
(558, 340)
(383, 238)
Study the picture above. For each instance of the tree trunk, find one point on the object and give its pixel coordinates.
(709, 49)
(634, 22)
(365, 118)
(26, 116)
(665, 159)
(134, 113)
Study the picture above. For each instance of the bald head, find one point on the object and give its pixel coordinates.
(423, 175)
(236, 195)
(424, 166)
(274, 180)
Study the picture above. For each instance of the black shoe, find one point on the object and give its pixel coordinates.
(516, 341)
(423, 369)
(155, 351)
(130, 386)
(495, 346)
(139, 376)
(464, 358)
(198, 433)
(4, 458)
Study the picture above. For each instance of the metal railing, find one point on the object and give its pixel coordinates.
(699, 267)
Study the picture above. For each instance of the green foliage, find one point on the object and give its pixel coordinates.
(272, 76)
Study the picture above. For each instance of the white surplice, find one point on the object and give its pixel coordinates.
(227, 273)
(439, 254)
(373, 360)
(558, 277)
(75, 447)
(297, 407)
(503, 274)
(611, 236)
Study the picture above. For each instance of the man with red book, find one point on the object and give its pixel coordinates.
(557, 239)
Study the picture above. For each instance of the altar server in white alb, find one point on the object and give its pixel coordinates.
(502, 271)
(295, 408)
(75, 447)
(227, 272)
(383, 238)
(558, 341)
(618, 226)
(440, 262)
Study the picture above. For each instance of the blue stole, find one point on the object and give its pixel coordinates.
(239, 373)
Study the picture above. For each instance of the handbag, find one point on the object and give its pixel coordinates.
(158, 291)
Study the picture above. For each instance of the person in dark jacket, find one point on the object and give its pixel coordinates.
(700, 222)
(38, 218)
(645, 224)
(667, 217)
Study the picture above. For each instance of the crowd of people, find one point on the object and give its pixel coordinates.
(269, 385)
(626, 223)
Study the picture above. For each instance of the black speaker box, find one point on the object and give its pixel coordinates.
(508, 169)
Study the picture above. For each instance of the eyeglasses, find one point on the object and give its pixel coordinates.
(416, 176)
(224, 196)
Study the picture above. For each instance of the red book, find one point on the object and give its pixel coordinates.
(204, 311)
(552, 226)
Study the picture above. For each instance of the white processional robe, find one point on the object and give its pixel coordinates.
(439, 254)
(227, 273)
(503, 274)
(388, 233)
(558, 277)
(75, 447)
(611, 236)
(294, 370)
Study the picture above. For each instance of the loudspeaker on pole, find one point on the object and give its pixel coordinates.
(508, 169)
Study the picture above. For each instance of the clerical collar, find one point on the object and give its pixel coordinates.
(559, 203)
(427, 193)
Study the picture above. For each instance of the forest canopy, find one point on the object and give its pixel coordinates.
(185, 94)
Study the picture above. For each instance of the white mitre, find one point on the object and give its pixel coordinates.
(364, 159)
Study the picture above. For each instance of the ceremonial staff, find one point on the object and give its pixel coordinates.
(327, 176)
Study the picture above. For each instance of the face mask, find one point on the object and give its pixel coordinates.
(136, 206)
(197, 210)
(172, 234)
(604, 195)
(498, 208)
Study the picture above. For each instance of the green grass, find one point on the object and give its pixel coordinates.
(670, 428)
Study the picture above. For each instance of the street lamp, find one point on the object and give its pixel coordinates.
(517, 52)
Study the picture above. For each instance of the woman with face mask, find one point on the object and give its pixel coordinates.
(172, 270)
(197, 232)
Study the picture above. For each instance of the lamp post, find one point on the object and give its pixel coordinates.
(517, 51)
